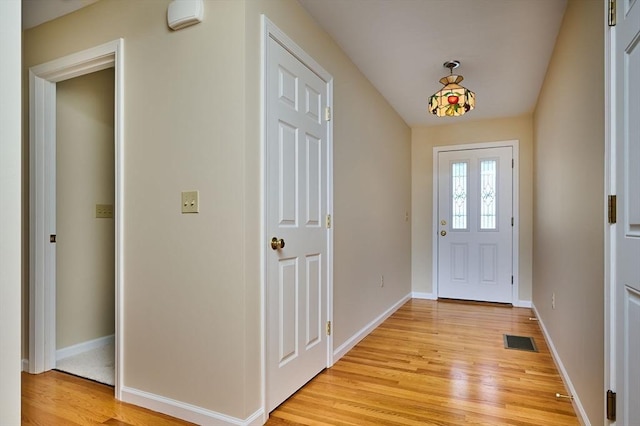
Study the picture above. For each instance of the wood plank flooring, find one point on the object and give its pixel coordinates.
(437, 363)
(56, 398)
(431, 363)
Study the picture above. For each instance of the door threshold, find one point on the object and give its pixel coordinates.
(474, 302)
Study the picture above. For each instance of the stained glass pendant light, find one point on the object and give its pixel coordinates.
(452, 100)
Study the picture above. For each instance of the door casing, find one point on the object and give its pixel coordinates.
(42, 201)
(270, 30)
(609, 231)
(516, 226)
(617, 38)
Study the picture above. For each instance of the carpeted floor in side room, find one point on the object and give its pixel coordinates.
(97, 364)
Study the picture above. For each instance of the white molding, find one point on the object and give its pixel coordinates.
(80, 63)
(426, 296)
(514, 144)
(610, 255)
(185, 411)
(42, 134)
(25, 365)
(84, 347)
(271, 30)
(262, 240)
(577, 405)
(523, 304)
(364, 332)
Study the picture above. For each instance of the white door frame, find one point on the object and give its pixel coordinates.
(270, 30)
(609, 230)
(515, 300)
(42, 197)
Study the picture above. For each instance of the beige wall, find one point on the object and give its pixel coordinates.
(184, 292)
(422, 142)
(85, 281)
(372, 181)
(568, 209)
(10, 213)
(192, 305)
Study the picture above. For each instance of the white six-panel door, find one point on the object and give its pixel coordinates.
(296, 278)
(627, 148)
(475, 231)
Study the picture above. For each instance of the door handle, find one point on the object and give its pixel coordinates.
(277, 244)
(443, 233)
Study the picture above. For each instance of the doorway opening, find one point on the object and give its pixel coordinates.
(43, 80)
(85, 237)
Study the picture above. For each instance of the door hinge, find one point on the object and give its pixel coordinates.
(612, 13)
(513, 162)
(327, 114)
(611, 209)
(328, 328)
(52, 238)
(328, 221)
(611, 405)
(511, 279)
(511, 221)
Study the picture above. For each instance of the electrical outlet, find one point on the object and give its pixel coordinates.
(104, 211)
(190, 202)
(553, 300)
(381, 280)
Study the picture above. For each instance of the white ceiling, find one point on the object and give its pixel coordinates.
(400, 46)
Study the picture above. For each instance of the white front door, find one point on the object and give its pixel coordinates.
(627, 148)
(296, 203)
(475, 228)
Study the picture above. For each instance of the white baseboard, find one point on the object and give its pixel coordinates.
(353, 340)
(577, 405)
(84, 347)
(188, 412)
(523, 304)
(428, 296)
(25, 365)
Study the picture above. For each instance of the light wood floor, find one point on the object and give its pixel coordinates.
(431, 363)
(437, 363)
(55, 398)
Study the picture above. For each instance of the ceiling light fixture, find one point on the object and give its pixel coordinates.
(452, 100)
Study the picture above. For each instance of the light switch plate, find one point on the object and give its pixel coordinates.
(190, 202)
(104, 211)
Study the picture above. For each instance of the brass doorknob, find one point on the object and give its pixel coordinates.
(443, 233)
(276, 243)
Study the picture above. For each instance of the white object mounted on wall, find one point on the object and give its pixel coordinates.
(184, 13)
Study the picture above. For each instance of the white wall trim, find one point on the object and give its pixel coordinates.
(427, 296)
(514, 144)
(610, 255)
(186, 411)
(364, 332)
(12, 223)
(270, 30)
(84, 347)
(577, 405)
(42, 134)
(523, 304)
(25, 365)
